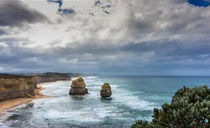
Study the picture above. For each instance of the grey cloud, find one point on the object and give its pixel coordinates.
(14, 13)
(95, 57)
(66, 11)
(60, 9)
(168, 57)
(179, 42)
(2, 32)
(172, 50)
(165, 19)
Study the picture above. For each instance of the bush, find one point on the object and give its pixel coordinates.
(189, 108)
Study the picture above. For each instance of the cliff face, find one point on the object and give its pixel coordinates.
(16, 86)
(19, 86)
(51, 77)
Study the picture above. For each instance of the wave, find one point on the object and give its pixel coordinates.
(120, 95)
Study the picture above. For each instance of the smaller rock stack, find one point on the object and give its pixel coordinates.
(78, 87)
(106, 90)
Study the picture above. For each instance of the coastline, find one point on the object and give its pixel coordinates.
(4, 105)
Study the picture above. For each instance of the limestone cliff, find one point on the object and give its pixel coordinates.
(51, 77)
(16, 86)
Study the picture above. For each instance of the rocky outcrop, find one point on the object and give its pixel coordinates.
(78, 87)
(16, 86)
(106, 90)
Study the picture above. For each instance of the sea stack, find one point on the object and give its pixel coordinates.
(106, 90)
(78, 87)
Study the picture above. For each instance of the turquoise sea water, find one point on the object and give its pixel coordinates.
(134, 98)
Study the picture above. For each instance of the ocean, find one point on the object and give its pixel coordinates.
(133, 98)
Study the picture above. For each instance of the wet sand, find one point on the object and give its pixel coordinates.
(4, 105)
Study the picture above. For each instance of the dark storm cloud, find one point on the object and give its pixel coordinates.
(12, 52)
(16, 58)
(14, 12)
(163, 51)
(91, 57)
(2, 32)
(175, 48)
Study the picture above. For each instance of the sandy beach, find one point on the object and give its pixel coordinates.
(18, 101)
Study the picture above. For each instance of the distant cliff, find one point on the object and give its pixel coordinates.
(52, 76)
(16, 86)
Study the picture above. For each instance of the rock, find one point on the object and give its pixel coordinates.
(16, 86)
(78, 87)
(106, 90)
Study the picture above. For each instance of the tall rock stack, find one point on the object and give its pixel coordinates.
(78, 87)
(106, 90)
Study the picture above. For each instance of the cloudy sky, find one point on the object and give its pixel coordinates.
(116, 37)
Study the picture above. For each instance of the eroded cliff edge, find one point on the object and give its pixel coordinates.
(16, 86)
(22, 86)
(53, 76)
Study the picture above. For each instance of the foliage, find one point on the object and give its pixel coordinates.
(189, 108)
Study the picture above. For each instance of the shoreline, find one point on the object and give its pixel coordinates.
(8, 104)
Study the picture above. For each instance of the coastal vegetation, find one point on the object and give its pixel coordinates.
(189, 108)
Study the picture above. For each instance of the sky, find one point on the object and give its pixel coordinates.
(110, 37)
(200, 3)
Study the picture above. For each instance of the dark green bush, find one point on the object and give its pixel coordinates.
(189, 108)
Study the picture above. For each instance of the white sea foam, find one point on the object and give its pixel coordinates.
(88, 108)
(79, 115)
(97, 112)
(132, 101)
(57, 89)
(120, 95)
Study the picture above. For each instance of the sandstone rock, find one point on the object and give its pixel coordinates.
(78, 87)
(106, 90)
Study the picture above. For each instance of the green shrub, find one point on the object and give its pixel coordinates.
(189, 108)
